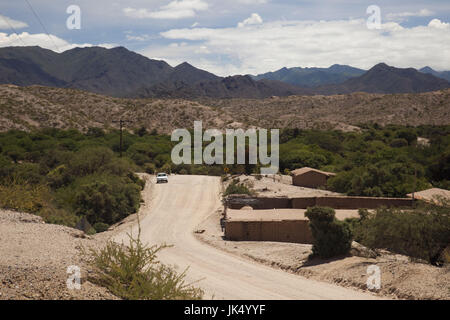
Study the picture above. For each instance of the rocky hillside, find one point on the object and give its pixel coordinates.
(34, 107)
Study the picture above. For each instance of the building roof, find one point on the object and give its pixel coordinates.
(299, 172)
(431, 195)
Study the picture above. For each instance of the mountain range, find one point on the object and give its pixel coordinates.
(119, 72)
(336, 74)
(312, 77)
(443, 74)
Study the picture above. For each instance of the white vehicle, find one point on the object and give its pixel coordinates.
(162, 178)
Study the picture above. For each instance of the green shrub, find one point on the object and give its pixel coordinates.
(422, 233)
(106, 199)
(19, 194)
(331, 237)
(150, 168)
(100, 227)
(235, 187)
(398, 143)
(89, 160)
(133, 273)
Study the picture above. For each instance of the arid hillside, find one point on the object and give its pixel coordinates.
(431, 108)
(34, 107)
(37, 106)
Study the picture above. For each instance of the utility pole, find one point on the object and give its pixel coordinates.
(415, 183)
(121, 124)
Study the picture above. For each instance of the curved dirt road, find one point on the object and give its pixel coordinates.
(172, 212)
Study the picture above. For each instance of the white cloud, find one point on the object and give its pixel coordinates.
(143, 37)
(254, 19)
(278, 44)
(253, 2)
(7, 23)
(176, 9)
(42, 40)
(402, 16)
(436, 23)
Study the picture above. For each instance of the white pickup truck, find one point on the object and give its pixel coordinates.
(162, 178)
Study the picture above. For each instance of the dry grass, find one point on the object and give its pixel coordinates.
(17, 194)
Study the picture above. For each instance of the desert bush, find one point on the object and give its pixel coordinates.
(19, 194)
(398, 143)
(106, 199)
(54, 215)
(235, 187)
(150, 168)
(100, 227)
(331, 237)
(89, 160)
(421, 233)
(133, 273)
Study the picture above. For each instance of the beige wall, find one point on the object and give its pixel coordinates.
(259, 203)
(295, 231)
(329, 201)
(310, 179)
(351, 202)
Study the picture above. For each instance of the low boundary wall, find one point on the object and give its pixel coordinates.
(329, 201)
(295, 231)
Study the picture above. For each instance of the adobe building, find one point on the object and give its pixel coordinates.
(282, 219)
(310, 178)
(279, 225)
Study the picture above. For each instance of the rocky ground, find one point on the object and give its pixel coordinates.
(27, 108)
(278, 186)
(34, 258)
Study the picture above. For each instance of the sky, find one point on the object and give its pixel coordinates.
(228, 37)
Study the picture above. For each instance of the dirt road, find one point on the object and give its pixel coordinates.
(172, 212)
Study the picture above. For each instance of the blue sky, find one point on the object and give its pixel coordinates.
(243, 36)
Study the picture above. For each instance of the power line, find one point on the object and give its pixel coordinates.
(12, 29)
(42, 25)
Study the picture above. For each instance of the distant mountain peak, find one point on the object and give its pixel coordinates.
(383, 78)
(381, 66)
(185, 65)
(312, 76)
(427, 69)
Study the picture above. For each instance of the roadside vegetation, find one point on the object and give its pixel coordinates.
(132, 272)
(67, 175)
(331, 236)
(422, 233)
(236, 187)
(64, 176)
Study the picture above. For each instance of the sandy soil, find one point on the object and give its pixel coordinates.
(400, 277)
(174, 212)
(34, 258)
(280, 186)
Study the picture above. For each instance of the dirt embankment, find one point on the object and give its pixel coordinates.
(34, 258)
